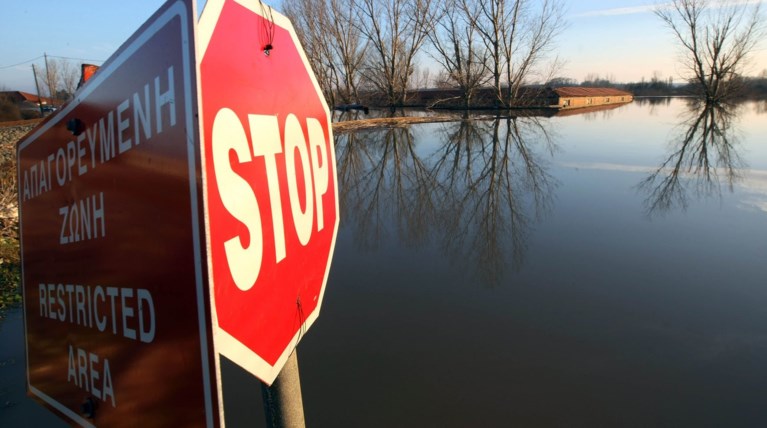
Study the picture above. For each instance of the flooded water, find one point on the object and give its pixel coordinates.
(549, 272)
(597, 269)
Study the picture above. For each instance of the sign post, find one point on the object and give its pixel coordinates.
(183, 207)
(283, 403)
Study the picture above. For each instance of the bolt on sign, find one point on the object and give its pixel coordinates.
(182, 207)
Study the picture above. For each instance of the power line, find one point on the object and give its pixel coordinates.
(2, 67)
(76, 59)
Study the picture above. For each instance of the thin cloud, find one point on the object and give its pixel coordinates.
(649, 8)
(632, 10)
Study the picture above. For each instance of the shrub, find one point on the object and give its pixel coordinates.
(9, 110)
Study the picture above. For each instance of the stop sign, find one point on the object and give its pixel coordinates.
(269, 180)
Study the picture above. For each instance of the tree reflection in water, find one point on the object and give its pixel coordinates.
(760, 107)
(475, 196)
(704, 157)
(655, 104)
(381, 177)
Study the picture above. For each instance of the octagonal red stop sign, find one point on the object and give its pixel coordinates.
(269, 181)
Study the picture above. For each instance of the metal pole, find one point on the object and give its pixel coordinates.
(283, 404)
(39, 101)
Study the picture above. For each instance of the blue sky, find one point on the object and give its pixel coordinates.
(618, 38)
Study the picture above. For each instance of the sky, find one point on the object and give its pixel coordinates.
(621, 39)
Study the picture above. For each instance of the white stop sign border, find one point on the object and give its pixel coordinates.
(224, 343)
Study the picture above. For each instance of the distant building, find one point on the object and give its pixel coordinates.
(27, 101)
(528, 97)
(569, 97)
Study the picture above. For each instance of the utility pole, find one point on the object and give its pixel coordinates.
(39, 101)
(48, 77)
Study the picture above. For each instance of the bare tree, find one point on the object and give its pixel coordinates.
(327, 29)
(350, 47)
(310, 20)
(457, 47)
(717, 38)
(69, 75)
(518, 35)
(491, 24)
(396, 30)
(48, 76)
(57, 75)
(530, 36)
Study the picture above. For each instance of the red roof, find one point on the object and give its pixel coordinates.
(21, 97)
(577, 91)
(29, 97)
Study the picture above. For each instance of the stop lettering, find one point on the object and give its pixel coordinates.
(240, 200)
(270, 183)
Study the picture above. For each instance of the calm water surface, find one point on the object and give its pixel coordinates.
(550, 272)
(600, 269)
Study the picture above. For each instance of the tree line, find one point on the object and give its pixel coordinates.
(748, 87)
(492, 48)
(364, 46)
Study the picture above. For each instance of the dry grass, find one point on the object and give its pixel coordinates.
(9, 219)
(388, 122)
(19, 123)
